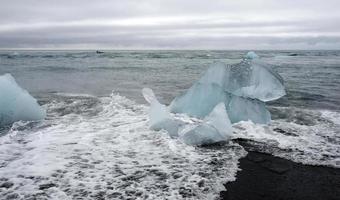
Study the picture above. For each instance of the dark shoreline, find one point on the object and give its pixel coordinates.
(264, 176)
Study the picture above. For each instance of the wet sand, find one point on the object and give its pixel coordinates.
(264, 176)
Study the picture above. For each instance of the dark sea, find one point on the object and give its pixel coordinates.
(96, 143)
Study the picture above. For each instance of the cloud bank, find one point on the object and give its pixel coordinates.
(170, 24)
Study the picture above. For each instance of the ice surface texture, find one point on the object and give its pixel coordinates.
(202, 97)
(223, 95)
(159, 115)
(16, 103)
(215, 127)
(243, 109)
(254, 79)
(243, 88)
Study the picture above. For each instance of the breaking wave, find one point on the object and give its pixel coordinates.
(306, 136)
(91, 147)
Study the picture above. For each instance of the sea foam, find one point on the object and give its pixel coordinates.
(110, 153)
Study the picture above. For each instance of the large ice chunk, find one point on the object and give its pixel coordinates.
(223, 95)
(254, 79)
(243, 87)
(250, 78)
(16, 103)
(216, 127)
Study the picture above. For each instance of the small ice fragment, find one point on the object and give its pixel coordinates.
(148, 95)
(219, 119)
(216, 127)
(159, 115)
(201, 135)
(16, 103)
(251, 55)
(158, 112)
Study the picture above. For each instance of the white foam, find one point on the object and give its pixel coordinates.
(111, 154)
(317, 143)
(334, 117)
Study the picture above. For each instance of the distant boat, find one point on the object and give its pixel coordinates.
(99, 52)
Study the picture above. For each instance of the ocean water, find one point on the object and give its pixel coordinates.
(95, 141)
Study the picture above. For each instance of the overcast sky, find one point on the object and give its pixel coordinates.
(170, 24)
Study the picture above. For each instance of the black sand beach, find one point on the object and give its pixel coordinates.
(264, 176)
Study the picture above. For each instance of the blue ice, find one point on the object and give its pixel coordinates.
(215, 127)
(159, 115)
(243, 87)
(225, 94)
(16, 103)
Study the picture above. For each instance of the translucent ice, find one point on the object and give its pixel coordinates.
(199, 100)
(243, 87)
(223, 95)
(216, 127)
(203, 96)
(251, 55)
(159, 115)
(16, 103)
(243, 109)
(254, 79)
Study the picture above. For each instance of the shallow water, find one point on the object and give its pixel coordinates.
(104, 149)
(94, 144)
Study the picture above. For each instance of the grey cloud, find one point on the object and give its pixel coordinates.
(263, 24)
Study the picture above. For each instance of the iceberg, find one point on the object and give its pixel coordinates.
(16, 103)
(243, 87)
(225, 94)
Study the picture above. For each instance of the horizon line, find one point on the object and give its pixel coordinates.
(154, 49)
